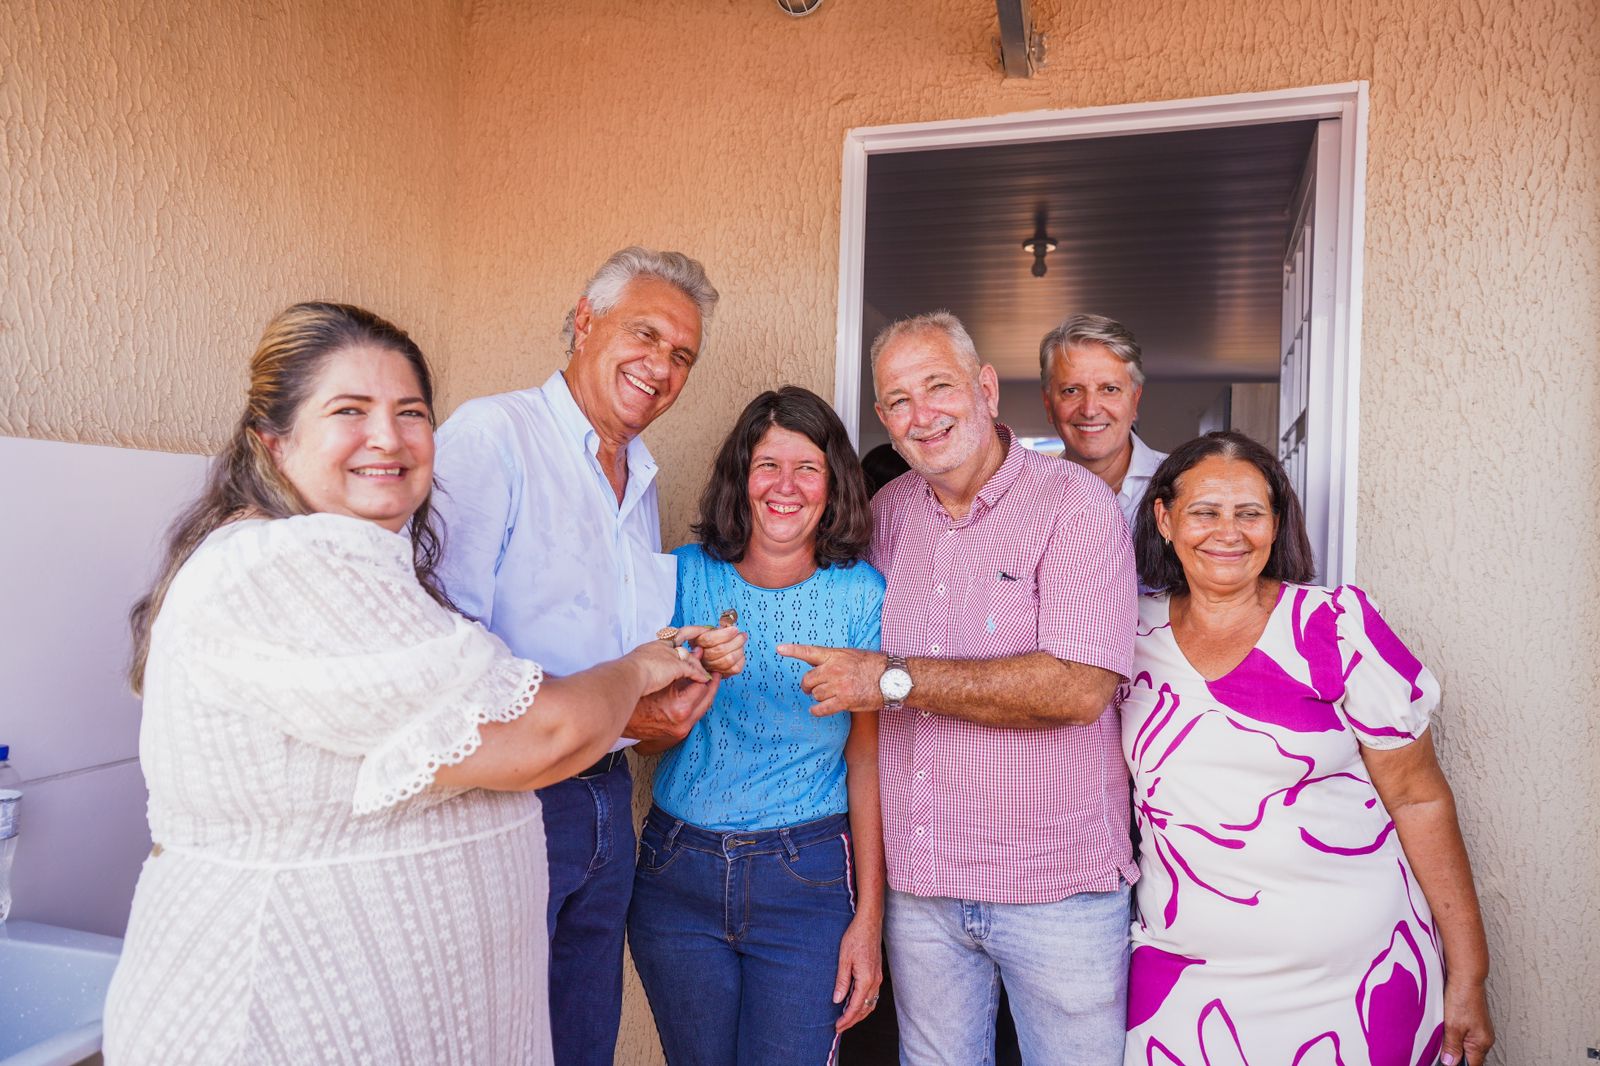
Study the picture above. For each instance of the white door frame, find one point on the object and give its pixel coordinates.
(1346, 102)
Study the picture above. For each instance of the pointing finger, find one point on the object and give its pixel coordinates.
(806, 653)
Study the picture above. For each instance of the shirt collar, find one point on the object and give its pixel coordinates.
(575, 424)
(1010, 468)
(1144, 461)
(999, 482)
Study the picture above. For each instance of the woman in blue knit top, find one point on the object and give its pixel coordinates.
(758, 903)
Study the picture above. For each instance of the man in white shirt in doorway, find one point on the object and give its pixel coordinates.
(553, 541)
(1092, 376)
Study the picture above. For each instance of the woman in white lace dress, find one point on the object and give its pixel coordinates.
(349, 860)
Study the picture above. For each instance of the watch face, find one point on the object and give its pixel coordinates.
(895, 684)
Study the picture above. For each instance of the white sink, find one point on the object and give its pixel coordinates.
(52, 992)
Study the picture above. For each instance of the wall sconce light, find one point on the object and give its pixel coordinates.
(1039, 245)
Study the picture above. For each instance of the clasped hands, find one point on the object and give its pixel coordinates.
(664, 717)
(840, 679)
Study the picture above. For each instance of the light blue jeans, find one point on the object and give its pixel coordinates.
(1065, 968)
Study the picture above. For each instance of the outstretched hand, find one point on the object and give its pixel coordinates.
(679, 691)
(840, 679)
(662, 665)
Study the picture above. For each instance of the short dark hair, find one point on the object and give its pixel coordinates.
(846, 527)
(882, 465)
(1159, 568)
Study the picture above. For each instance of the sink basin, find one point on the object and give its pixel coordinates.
(52, 992)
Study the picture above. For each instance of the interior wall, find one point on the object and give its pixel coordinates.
(175, 172)
(1170, 409)
(716, 128)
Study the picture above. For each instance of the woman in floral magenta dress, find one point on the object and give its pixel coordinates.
(1304, 895)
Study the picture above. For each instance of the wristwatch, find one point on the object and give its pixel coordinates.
(895, 684)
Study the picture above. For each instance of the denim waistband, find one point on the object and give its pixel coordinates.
(746, 842)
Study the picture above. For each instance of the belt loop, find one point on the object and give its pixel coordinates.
(794, 852)
(672, 834)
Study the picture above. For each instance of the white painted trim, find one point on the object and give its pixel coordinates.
(852, 285)
(1347, 102)
(1346, 390)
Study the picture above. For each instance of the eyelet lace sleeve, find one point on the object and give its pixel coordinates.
(317, 626)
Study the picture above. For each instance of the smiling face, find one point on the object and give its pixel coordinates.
(362, 442)
(1092, 401)
(1221, 523)
(938, 408)
(630, 363)
(788, 489)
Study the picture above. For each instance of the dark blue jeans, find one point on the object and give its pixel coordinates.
(588, 828)
(736, 937)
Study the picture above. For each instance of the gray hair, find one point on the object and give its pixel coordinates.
(683, 273)
(1080, 330)
(942, 322)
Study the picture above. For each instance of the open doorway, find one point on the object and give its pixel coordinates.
(1225, 233)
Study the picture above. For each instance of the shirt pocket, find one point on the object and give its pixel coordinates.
(1001, 615)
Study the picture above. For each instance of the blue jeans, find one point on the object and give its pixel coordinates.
(736, 937)
(588, 827)
(1064, 964)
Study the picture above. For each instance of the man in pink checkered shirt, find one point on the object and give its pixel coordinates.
(1007, 624)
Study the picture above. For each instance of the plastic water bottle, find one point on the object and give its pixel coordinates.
(10, 798)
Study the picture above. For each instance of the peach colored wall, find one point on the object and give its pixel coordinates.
(716, 127)
(172, 174)
(175, 172)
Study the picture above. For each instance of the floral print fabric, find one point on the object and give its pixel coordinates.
(1278, 922)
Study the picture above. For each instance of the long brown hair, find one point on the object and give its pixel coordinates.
(846, 527)
(244, 479)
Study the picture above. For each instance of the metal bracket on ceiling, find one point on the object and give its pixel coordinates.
(1022, 48)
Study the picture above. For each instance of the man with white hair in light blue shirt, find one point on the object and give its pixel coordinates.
(553, 541)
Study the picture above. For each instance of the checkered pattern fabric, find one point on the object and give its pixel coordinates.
(1041, 562)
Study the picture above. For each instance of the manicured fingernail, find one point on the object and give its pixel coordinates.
(1448, 1059)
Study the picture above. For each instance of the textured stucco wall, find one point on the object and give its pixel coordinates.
(716, 127)
(175, 172)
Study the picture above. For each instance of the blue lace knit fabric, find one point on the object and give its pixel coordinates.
(758, 759)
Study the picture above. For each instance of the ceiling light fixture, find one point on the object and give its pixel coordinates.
(1039, 245)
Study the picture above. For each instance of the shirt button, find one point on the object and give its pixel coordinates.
(934, 648)
(939, 589)
(927, 714)
(922, 831)
(922, 775)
